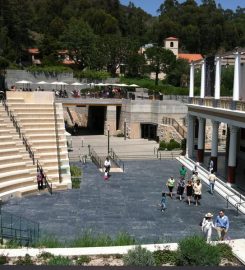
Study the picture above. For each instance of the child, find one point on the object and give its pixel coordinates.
(106, 176)
(163, 202)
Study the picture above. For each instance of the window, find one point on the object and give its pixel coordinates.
(171, 44)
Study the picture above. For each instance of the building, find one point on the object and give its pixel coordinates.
(213, 107)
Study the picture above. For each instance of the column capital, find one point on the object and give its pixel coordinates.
(201, 119)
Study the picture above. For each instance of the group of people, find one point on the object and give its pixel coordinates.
(193, 188)
(221, 225)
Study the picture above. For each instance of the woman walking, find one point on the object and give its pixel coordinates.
(207, 225)
(197, 188)
(181, 187)
(189, 191)
(170, 185)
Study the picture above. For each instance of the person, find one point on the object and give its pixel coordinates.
(106, 175)
(207, 226)
(222, 225)
(211, 178)
(197, 189)
(211, 165)
(163, 202)
(189, 191)
(197, 164)
(107, 165)
(170, 185)
(39, 180)
(183, 171)
(195, 177)
(181, 187)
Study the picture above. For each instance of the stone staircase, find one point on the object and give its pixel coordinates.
(45, 134)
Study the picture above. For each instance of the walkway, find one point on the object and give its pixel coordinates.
(128, 202)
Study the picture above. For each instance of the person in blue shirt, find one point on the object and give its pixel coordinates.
(222, 225)
(163, 202)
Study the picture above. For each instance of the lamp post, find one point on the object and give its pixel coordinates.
(125, 129)
(108, 140)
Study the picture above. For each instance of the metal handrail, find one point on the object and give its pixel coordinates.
(26, 144)
(172, 122)
(17, 228)
(237, 205)
(47, 183)
(95, 158)
(116, 159)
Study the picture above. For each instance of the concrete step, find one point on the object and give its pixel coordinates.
(17, 183)
(12, 175)
(16, 166)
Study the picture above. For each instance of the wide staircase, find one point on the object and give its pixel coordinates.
(42, 126)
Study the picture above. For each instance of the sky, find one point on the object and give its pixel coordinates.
(151, 6)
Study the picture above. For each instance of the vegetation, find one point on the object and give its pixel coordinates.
(49, 69)
(3, 259)
(27, 260)
(81, 260)
(187, 254)
(76, 174)
(172, 144)
(59, 260)
(92, 74)
(139, 257)
(164, 257)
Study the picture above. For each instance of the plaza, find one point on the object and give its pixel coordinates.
(128, 202)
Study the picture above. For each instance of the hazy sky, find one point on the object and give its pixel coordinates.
(151, 6)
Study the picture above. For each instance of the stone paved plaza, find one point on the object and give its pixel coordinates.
(128, 202)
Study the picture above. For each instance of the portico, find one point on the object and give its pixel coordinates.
(218, 109)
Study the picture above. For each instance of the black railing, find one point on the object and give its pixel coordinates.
(47, 183)
(116, 159)
(172, 122)
(18, 229)
(95, 158)
(26, 144)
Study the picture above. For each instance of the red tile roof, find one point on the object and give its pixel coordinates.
(33, 50)
(190, 56)
(171, 38)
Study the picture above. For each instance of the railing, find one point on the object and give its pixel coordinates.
(95, 158)
(116, 159)
(19, 229)
(25, 143)
(18, 130)
(238, 204)
(47, 184)
(176, 125)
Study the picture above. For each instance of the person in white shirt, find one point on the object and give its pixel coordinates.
(211, 178)
(107, 165)
(207, 226)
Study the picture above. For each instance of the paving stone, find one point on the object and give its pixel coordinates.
(128, 202)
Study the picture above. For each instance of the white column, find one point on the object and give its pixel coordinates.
(217, 77)
(201, 133)
(237, 77)
(215, 137)
(233, 146)
(203, 79)
(192, 71)
(190, 137)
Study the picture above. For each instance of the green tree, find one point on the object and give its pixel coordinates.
(160, 60)
(135, 65)
(79, 39)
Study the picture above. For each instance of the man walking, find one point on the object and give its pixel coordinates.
(211, 178)
(222, 225)
(182, 172)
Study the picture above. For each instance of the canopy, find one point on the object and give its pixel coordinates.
(134, 85)
(77, 83)
(42, 82)
(101, 84)
(59, 83)
(24, 81)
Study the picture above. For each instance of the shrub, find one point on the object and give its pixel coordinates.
(13, 244)
(60, 260)
(225, 252)
(45, 256)
(83, 259)
(24, 261)
(49, 242)
(123, 239)
(194, 251)
(75, 171)
(164, 256)
(162, 145)
(3, 259)
(139, 257)
(92, 74)
(49, 69)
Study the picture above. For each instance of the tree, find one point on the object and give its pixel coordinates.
(135, 64)
(3, 66)
(79, 39)
(160, 60)
(178, 75)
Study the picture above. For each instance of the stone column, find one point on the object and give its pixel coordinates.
(215, 140)
(237, 77)
(201, 139)
(217, 77)
(190, 137)
(192, 72)
(232, 154)
(203, 79)
(111, 119)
